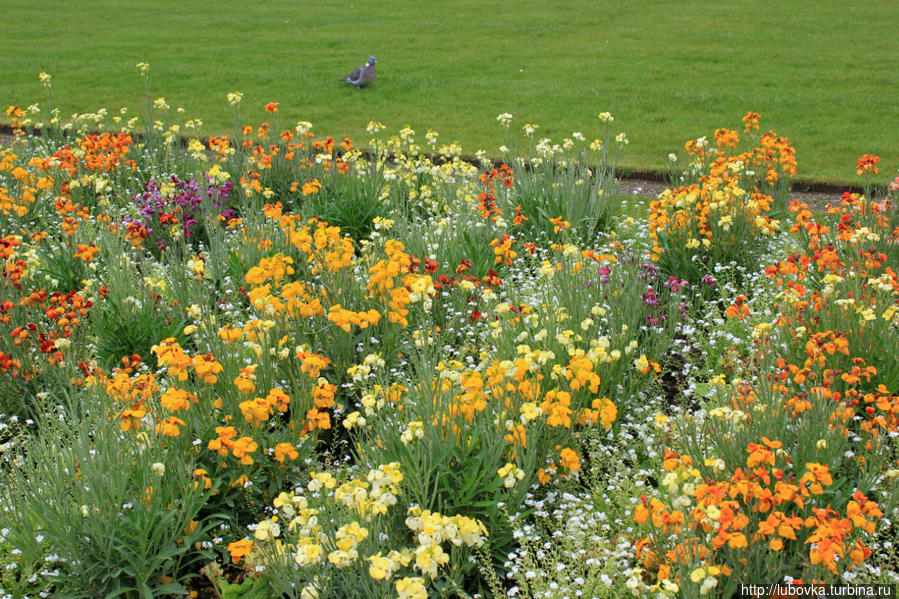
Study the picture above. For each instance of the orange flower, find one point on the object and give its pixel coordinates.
(738, 309)
(207, 367)
(560, 224)
(817, 475)
(242, 449)
(239, 549)
(311, 187)
(131, 417)
(641, 512)
(177, 400)
(200, 473)
(570, 459)
(726, 138)
(256, 411)
(751, 121)
(272, 107)
(284, 451)
(224, 442)
(867, 164)
(86, 252)
(758, 455)
(170, 427)
(316, 419)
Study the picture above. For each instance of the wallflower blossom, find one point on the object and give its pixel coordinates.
(240, 549)
(570, 459)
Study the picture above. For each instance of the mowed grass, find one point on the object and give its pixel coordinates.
(822, 73)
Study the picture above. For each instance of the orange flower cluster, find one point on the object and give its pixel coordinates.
(94, 153)
(258, 410)
(227, 441)
(867, 164)
(128, 387)
(840, 303)
(394, 281)
(345, 319)
(295, 155)
(170, 354)
(769, 501)
(832, 363)
(715, 210)
(487, 207)
(511, 392)
(729, 203)
(738, 309)
(49, 320)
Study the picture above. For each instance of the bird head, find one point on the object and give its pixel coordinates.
(371, 61)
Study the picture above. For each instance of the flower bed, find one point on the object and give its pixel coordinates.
(294, 368)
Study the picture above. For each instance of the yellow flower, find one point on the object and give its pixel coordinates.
(308, 553)
(352, 531)
(411, 588)
(510, 473)
(529, 411)
(381, 567)
(429, 557)
(323, 479)
(354, 419)
(642, 364)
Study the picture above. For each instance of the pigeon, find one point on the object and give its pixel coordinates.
(363, 75)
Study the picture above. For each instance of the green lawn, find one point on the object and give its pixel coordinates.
(823, 73)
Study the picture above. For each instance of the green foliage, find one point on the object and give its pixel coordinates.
(130, 322)
(248, 589)
(567, 184)
(117, 511)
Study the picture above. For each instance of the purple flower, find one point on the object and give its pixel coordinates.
(187, 202)
(648, 271)
(709, 280)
